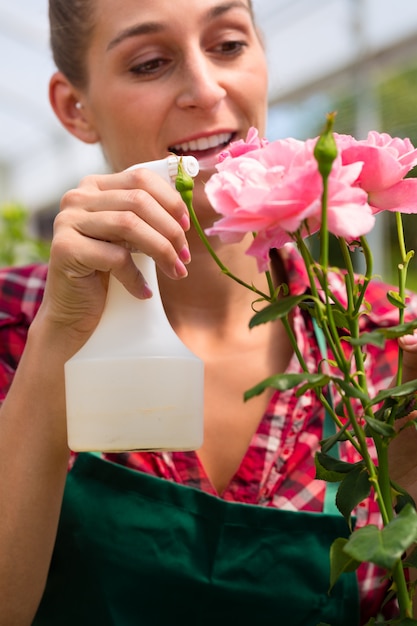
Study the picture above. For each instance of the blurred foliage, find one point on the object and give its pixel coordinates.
(398, 104)
(394, 96)
(17, 245)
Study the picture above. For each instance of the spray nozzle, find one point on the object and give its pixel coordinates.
(168, 167)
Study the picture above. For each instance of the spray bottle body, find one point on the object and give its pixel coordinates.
(134, 385)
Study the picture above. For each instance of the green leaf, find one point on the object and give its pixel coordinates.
(340, 319)
(332, 464)
(402, 497)
(402, 406)
(340, 562)
(354, 488)
(380, 428)
(283, 382)
(395, 300)
(393, 332)
(277, 310)
(410, 255)
(377, 337)
(322, 473)
(374, 338)
(405, 406)
(400, 391)
(350, 390)
(384, 547)
(327, 444)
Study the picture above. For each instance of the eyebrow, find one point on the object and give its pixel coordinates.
(156, 27)
(135, 31)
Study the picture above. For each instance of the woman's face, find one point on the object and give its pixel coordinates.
(174, 76)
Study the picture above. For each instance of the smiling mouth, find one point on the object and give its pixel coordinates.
(202, 145)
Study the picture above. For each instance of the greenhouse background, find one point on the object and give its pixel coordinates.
(358, 57)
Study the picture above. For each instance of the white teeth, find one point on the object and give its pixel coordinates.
(203, 143)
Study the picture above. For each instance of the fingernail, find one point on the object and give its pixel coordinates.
(185, 255)
(185, 222)
(180, 269)
(146, 292)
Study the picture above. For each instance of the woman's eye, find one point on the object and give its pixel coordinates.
(232, 47)
(147, 68)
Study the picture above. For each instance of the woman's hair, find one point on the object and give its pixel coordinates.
(71, 24)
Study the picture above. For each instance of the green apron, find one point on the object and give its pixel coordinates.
(136, 550)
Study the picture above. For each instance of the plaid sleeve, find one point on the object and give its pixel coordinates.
(21, 291)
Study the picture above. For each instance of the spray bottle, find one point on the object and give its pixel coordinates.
(134, 385)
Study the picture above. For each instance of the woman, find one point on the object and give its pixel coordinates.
(145, 79)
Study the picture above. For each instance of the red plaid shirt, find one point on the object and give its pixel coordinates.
(278, 469)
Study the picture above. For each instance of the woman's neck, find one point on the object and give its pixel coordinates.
(209, 297)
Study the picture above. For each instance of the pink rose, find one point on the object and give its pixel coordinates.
(276, 190)
(386, 161)
(237, 148)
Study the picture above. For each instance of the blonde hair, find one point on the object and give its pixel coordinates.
(71, 23)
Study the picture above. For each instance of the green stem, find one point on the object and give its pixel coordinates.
(400, 235)
(324, 232)
(404, 600)
(330, 329)
(271, 285)
(325, 320)
(368, 274)
(294, 343)
(383, 485)
(221, 265)
(339, 423)
(349, 277)
(378, 477)
(370, 465)
(405, 603)
(402, 279)
(383, 478)
(318, 274)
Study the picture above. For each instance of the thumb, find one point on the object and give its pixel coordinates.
(408, 343)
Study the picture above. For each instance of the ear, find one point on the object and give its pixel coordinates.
(66, 104)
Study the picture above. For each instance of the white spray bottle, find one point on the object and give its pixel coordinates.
(134, 385)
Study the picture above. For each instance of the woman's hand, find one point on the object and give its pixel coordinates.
(99, 223)
(408, 343)
(403, 449)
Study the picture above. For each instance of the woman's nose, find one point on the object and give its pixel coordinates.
(201, 85)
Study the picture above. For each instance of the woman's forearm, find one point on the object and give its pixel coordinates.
(33, 467)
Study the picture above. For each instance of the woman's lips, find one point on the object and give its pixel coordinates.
(202, 144)
(204, 149)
